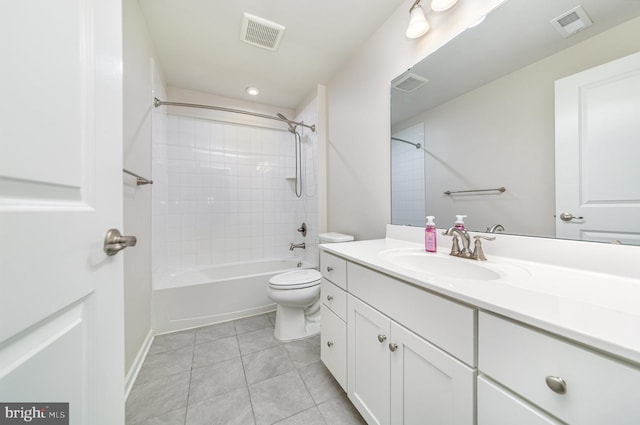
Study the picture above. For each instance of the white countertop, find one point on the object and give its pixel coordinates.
(596, 309)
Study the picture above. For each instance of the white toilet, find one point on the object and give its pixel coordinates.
(297, 294)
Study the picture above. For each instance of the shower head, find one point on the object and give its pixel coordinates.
(292, 128)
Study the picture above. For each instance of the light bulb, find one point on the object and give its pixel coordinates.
(442, 5)
(418, 24)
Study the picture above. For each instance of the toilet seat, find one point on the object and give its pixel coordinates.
(296, 279)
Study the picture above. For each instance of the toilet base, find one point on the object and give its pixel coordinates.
(293, 324)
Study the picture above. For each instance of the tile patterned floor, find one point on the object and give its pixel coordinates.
(236, 373)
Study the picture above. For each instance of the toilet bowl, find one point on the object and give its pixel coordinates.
(297, 294)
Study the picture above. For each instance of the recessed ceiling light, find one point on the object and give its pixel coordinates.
(478, 22)
(253, 91)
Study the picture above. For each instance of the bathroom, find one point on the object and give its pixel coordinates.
(347, 166)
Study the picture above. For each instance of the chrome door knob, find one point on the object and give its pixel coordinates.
(329, 298)
(568, 217)
(115, 242)
(329, 269)
(382, 338)
(329, 344)
(393, 347)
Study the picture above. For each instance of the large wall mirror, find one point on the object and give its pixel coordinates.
(514, 103)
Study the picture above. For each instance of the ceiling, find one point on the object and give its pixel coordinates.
(198, 44)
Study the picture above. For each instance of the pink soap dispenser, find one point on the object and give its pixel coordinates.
(430, 243)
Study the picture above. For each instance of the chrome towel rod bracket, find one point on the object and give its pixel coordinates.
(139, 179)
(157, 103)
(499, 189)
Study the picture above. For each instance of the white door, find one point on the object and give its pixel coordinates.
(597, 153)
(61, 306)
(368, 333)
(427, 385)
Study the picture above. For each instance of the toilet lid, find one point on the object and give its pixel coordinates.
(296, 279)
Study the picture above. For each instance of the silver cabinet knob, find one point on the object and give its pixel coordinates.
(115, 242)
(568, 217)
(329, 269)
(329, 297)
(393, 347)
(556, 384)
(382, 338)
(329, 344)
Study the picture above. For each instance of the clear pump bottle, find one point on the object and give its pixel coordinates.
(430, 242)
(460, 222)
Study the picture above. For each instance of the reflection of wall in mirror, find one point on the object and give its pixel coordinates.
(407, 178)
(502, 134)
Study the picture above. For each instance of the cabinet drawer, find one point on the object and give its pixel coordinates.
(333, 348)
(498, 407)
(334, 269)
(599, 390)
(448, 325)
(334, 298)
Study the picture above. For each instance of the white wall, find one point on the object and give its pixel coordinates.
(139, 80)
(358, 117)
(502, 134)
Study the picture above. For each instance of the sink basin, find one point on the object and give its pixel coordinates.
(439, 265)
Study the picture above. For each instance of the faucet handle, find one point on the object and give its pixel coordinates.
(478, 253)
(455, 247)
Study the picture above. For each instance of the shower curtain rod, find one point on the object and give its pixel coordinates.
(157, 103)
(417, 145)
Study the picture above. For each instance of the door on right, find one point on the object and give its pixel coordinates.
(598, 153)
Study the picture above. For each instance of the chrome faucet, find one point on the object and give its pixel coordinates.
(495, 228)
(296, 245)
(455, 248)
(477, 254)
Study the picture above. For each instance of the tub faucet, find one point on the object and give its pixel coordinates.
(296, 245)
(455, 248)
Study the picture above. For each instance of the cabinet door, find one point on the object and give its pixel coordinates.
(428, 386)
(368, 361)
(497, 407)
(333, 348)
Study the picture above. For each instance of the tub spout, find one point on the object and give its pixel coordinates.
(296, 245)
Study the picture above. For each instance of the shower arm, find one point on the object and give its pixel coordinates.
(157, 103)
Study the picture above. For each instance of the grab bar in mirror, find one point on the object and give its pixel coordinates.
(499, 189)
(139, 179)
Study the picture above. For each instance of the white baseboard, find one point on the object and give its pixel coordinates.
(132, 374)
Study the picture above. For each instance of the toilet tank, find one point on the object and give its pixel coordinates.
(333, 237)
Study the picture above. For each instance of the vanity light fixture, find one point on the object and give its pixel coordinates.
(418, 24)
(442, 5)
(253, 91)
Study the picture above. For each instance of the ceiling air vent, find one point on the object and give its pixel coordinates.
(571, 22)
(408, 82)
(260, 32)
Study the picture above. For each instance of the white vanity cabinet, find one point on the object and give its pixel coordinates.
(396, 376)
(572, 383)
(333, 334)
(496, 406)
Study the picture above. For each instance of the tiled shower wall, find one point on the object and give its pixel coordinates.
(224, 193)
(407, 178)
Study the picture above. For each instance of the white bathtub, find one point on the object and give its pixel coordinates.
(207, 295)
